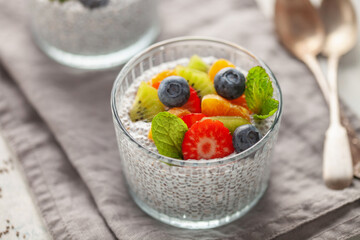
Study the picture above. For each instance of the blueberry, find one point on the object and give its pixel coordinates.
(229, 83)
(174, 91)
(245, 136)
(94, 3)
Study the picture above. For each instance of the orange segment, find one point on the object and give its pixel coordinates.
(150, 135)
(214, 105)
(179, 112)
(217, 66)
(240, 101)
(156, 80)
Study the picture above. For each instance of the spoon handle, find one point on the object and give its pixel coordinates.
(337, 162)
(333, 98)
(314, 66)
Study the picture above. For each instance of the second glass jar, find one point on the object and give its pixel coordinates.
(93, 37)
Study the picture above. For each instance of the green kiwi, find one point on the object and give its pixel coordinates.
(200, 81)
(197, 63)
(146, 104)
(230, 123)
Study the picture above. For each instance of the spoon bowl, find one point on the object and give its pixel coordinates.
(340, 25)
(299, 27)
(301, 31)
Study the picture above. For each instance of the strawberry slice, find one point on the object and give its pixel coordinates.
(194, 102)
(192, 118)
(207, 139)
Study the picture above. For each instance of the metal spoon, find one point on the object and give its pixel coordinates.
(341, 30)
(301, 31)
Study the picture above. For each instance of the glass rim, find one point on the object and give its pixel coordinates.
(193, 163)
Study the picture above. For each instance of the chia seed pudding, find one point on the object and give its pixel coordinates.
(195, 194)
(97, 37)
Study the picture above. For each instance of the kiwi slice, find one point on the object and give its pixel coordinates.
(230, 123)
(200, 81)
(197, 63)
(146, 104)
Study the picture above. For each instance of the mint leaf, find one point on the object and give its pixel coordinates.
(269, 108)
(258, 88)
(168, 133)
(259, 92)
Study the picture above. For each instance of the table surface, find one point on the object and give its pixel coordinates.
(19, 214)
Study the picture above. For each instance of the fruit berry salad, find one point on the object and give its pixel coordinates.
(200, 111)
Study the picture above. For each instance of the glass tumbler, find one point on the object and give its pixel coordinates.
(194, 194)
(93, 38)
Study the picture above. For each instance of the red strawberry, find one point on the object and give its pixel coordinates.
(207, 139)
(192, 118)
(194, 102)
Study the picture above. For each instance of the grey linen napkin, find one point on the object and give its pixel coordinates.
(64, 136)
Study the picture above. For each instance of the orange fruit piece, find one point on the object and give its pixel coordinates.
(217, 66)
(240, 101)
(150, 135)
(177, 111)
(156, 80)
(214, 105)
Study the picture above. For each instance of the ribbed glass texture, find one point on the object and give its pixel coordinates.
(193, 194)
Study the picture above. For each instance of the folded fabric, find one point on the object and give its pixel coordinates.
(80, 188)
(63, 198)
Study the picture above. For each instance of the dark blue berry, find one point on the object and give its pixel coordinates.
(94, 3)
(245, 136)
(229, 83)
(174, 91)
